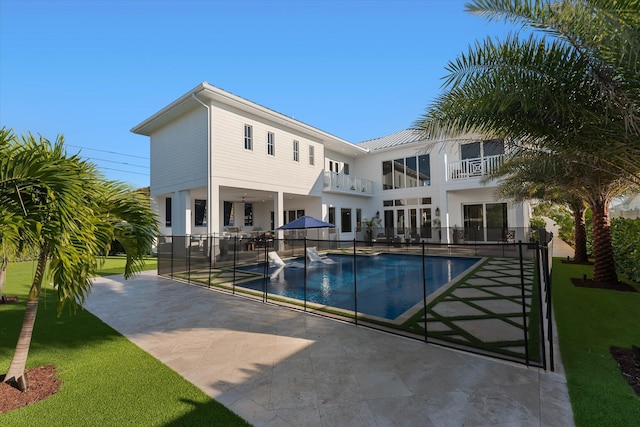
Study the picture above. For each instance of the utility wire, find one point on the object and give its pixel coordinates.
(120, 163)
(120, 170)
(105, 151)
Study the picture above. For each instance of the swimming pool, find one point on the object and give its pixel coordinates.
(387, 284)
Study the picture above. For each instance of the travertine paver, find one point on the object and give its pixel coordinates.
(279, 367)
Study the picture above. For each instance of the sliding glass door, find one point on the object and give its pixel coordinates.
(485, 222)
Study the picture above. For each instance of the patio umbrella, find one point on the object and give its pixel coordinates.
(305, 222)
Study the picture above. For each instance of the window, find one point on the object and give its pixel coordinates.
(332, 216)
(248, 214)
(358, 219)
(311, 155)
(271, 144)
(248, 137)
(201, 212)
(345, 168)
(406, 173)
(228, 214)
(387, 176)
(476, 150)
(424, 171)
(296, 151)
(345, 220)
(412, 172)
(398, 173)
(167, 212)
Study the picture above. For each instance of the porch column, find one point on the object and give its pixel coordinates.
(181, 213)
(520, 225)
(214, 209)
(278, 220)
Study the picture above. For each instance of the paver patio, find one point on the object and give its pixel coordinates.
(279, 367)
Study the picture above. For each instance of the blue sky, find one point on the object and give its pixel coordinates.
(91, 70)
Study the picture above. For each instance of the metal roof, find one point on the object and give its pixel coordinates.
(402, 137)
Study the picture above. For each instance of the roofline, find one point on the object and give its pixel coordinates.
(213, 93)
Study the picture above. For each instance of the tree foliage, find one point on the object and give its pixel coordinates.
(60, 206)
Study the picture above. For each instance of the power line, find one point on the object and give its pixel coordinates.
(105, 151)
(120, 170)
(120, 163)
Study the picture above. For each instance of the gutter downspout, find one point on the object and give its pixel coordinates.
(209, 201)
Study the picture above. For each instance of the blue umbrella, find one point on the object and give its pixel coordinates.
(305, 222)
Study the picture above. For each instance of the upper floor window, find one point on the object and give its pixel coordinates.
(406, 173)
(248, 137)
(345, 168)
(296, 151)
(476, 150)
(312, 159)
(271, 144)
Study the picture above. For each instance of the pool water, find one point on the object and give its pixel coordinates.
(387, 284)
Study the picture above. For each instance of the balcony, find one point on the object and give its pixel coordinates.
(347, 184)
(473, 168)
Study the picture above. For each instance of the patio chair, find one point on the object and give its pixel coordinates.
(275, 258)
(314, 256)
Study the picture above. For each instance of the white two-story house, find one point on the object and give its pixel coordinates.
(220, 162)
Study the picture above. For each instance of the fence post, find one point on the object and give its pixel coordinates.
(188, 250)
(173, 240)
(305, 274)
(424, 291)
(524, 305)
(540, 275)
(209, 252)
(548, 282)
(355, 283)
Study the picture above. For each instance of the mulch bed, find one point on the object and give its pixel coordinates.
(629, 366)
(613, 286)
(43, 382)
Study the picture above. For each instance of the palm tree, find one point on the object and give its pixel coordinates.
(576, 94)
(70, 215)
(546, 177)
(370, 226)
(575, 97)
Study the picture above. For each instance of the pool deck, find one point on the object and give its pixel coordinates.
(279, 367)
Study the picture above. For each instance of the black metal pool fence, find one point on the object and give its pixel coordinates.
(501, 308)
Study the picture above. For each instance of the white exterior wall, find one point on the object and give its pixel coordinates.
(235, 166)
(179, 154)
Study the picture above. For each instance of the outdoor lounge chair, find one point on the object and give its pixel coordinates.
(314, 256)
(275, 258)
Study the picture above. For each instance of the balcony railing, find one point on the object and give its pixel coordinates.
(472, 168)
(342, 183)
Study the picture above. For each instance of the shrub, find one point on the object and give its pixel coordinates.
(625, 236)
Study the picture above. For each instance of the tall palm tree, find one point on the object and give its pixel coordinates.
(70, 215)
(574, 90)
(569, 92)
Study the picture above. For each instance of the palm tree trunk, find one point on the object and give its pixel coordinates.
(3, 274)
(580, 235)
(16, 375)
(604, 269)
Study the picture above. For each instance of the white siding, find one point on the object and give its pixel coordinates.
(179, 154)
(255, 168)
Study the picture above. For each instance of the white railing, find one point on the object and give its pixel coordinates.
(340, 182)
(471, 168)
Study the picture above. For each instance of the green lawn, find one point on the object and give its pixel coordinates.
(106, 379)
(589, 322)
